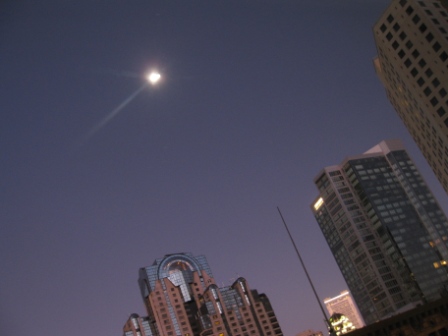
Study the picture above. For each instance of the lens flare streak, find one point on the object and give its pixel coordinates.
(114, 112)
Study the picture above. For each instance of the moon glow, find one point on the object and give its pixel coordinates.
(153, 77)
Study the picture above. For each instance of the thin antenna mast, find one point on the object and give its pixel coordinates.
(307, 275)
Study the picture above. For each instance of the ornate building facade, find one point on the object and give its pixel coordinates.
(182, 299)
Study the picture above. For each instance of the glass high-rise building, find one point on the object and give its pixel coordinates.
(182, 299)
(385, 230)
(412, 42)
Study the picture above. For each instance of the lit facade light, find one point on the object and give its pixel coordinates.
(318, 204)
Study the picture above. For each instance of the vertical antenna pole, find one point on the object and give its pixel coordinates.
(306, 272)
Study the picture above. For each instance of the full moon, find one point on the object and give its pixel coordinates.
(153, 77)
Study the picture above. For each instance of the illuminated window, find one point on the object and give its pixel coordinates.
(318, 204)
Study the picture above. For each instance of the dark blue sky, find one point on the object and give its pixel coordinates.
(257, 97)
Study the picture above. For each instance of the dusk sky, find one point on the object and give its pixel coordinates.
(256, 98)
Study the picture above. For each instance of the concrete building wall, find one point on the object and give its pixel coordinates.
(412, 43)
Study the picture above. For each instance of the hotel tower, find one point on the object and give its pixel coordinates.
(182, 299)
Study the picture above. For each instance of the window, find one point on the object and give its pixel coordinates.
(436, 46)
(407, 62)
(422, 63)
(416, 18)
(420, 81)
(429, 37)
(442, 92)
(427, 91)
(409, 10)
(436, 82)
(390, 18)
(444, 56)
(383, 28)
(401, 53)
(389, 36)
(428, 72)
(396, 27)
(441, 112)
(414, 72)
(403, 36)
(409, 44)
(395, 45)
(422, 28)
(415, 53)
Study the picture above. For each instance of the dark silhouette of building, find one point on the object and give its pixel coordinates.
(427, 320)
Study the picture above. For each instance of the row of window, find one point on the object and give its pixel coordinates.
(442, 93)
(432, 87)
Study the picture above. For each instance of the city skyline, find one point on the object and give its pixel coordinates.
(256, 97)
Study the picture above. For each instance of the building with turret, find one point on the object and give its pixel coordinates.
(182, 299)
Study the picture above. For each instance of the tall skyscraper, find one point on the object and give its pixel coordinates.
(182, 299)
(385, 230)
(344, 304)
(412, 42)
